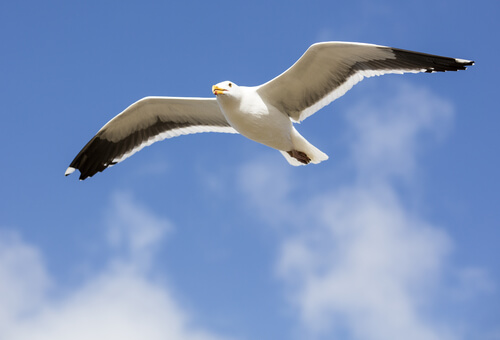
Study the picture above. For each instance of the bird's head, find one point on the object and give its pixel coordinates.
(225, 88)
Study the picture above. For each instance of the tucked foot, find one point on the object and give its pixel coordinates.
(300, 156)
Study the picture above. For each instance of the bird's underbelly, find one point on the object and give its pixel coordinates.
(269, 128)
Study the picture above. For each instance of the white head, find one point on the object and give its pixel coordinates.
(226, 89)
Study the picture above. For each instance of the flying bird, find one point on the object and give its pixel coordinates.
(263, 113)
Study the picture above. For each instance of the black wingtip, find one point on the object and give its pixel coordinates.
(71, 169)
(87, 165)
(429, 62)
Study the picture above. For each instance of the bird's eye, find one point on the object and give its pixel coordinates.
(230, 84)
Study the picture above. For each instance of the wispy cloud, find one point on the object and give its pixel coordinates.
(133, 231)
(124, 301)
(24, 281)
(363, 265)
(266, 191)
(387, 135)
(369, 263)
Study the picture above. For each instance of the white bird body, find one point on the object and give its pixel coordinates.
(248, 114)
(264, 113)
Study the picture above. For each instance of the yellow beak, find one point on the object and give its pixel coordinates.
(217, 90)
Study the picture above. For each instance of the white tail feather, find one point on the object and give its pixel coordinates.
(301, 144)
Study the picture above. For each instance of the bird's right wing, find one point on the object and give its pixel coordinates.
(148, 120)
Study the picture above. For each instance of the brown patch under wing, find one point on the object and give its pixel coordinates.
(300, 156)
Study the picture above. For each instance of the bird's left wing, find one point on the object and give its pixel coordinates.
(328, 70)
(148, 120)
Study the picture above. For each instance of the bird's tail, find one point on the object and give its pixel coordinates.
(304, 152)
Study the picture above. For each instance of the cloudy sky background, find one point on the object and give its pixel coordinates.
(216, 237)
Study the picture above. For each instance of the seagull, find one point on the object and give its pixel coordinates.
(264, 113)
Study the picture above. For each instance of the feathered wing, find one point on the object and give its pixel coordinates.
(328, 70)
(148, 120)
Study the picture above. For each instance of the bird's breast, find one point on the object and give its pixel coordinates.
(259, 122)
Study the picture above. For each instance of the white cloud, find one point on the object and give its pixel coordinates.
(362, 265)
(23, 279)
(134, 230)
(387, 133)
(368, 263)
(122, 302)
(265, 190)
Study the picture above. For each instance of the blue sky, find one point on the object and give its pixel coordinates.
(216, 237)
